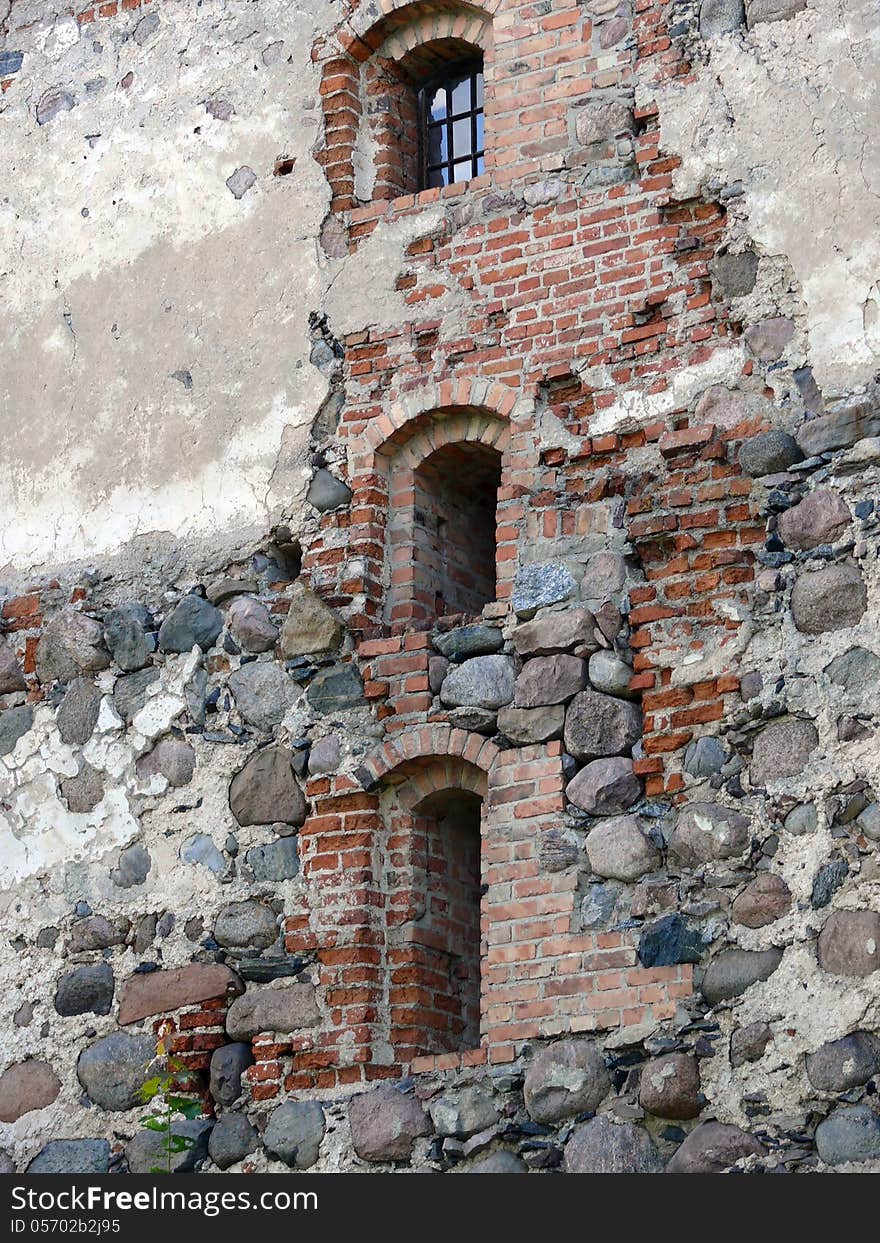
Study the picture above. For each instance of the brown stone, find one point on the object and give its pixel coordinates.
(550, 632)
(606, 787)
(708, 832)
(158, 992)
(820, 518)
(766, 899)
(670, 1086)
(310, 626)
(712, 1148)
(26, 1087)
(849, 944)
(747, 1044)
(549, 680)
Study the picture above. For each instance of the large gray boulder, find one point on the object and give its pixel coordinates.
(483, 682)
(192, 623)
(550, 680)
(849, 1134)
(769, 453)
(86, 990)
(463, 1112)
(618, 849)
(113, 1069)
(71, 644)
(262, 692)
(245, 925)
(526, 726)
(146, 1154)
(597, 725)
(565, 1078)
(78, 712)
(72, 1156)
(14, 724)
(11, 676)
(832, 598)
(555, 631)
(232, 1139)
(606, 787)
(782, 749)
(294, 1133)
(127, 635)
(540, 584)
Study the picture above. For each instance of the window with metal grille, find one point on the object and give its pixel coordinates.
(451, 110)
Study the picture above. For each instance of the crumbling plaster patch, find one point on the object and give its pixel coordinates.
(789, 110)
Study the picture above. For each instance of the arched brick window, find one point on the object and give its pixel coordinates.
(441, 533)
(383, 99)
(433, 880)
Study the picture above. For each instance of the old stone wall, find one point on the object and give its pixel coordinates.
(438, 653)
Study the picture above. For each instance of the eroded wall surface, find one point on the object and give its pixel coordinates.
(222, 361)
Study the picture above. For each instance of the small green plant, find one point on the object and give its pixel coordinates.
(163, 1092)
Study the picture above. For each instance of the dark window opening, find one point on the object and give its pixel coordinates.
(452, 126)
(447, 934)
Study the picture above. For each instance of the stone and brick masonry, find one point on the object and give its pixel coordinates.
(513, 806)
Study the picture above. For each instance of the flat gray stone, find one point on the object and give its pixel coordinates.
(605, 577)
(294, 1133)
(324, 755)
(733, 971)
(606, 787)
(598, 725)
(52, 103)
(266, 790)
(501, 1162)
(326, 492)
(480, 639)
(113, 1069)
(239, 182)
(801, 820)
(483, 682)
(385, 1124)
(565, 1078)
(555, 630)
(97, 933)
(526, 726)
(706, 833)
(228, 1064)
(232, 1139)
(72, 1156)
(539, 584)
(720, 17)
(200, 849)
(133, 866)
(549, 680)
(463, 1112)
(704, 757)
(712, 1148)
(130, 692)
(262, 692)
(145, 1151)
(839, 429)
(192, 623)
(336, 689)
(857, 671)
(602, 121)
(770, 453)
(83, 792)
(277, 861)
(285, 1009)
(14, 724)
(126, 635)
(782, 749)
(245, 925)
(86, 990)
(603, 1147)
(733, 275)
(849, 1134)
(618, 849)
(772, 10)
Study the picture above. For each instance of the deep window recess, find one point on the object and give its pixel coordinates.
(451, 110)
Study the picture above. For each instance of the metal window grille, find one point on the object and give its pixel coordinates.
(451, 110)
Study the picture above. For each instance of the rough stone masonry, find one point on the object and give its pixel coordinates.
(439, 649)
